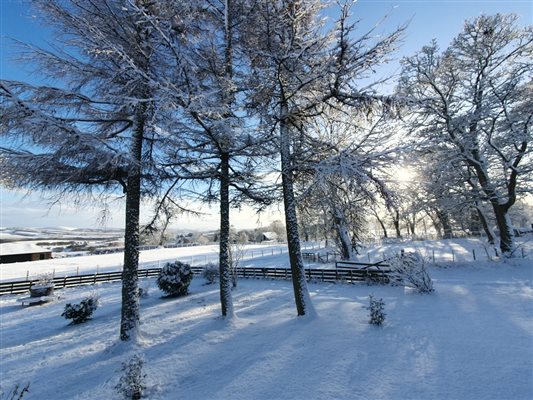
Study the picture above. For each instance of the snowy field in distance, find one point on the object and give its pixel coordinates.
(258, 255)
(471, 339)
(197, 255)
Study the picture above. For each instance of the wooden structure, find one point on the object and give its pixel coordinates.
(21, 252)
(347, 272)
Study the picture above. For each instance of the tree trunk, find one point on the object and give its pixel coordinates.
(226, 301)
(396, 222)
(343, 235)
(445, 223)
(483, 219)
(505, 227)
(130, 311)
(382, 224)
(301, 293)
(411, 226)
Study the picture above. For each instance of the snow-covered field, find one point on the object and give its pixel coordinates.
(199, 255)
(258, 255)
(471, 339)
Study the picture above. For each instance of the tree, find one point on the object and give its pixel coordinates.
(300, 69)
(475, 100)
(208, 140)
(91, 131)
(348, 175)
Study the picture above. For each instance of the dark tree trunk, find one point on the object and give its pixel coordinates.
(484, 223)
(226, 301)
(301, 293)
(344, 239)
(445, 223)
(411, 226)
(382, 224)
(505, 228)
(130, 311)
(396, 222)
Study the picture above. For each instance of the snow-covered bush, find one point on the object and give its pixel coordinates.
(175, 278)
(211, 273)
(43, 287)
(81, 312)
(377, 311)
(132, 381)
(410, 269)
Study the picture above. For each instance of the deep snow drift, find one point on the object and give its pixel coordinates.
(471, 339)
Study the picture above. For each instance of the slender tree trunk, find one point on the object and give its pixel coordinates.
(301, 293)
(382, 224)
(130, 312)
(226, 300)
(396, 222)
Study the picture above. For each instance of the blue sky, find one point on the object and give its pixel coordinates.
(429, 19)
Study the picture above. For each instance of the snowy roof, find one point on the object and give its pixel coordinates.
(270, 235)
(20, 248)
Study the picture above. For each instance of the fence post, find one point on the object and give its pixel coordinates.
(433, 251)
(27, 275)
(523, 254)
(453, 256)
(474, 254)
(77, 270)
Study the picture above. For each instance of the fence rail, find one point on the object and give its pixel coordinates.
(350, 274)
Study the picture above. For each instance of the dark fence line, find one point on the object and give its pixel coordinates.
(349, 274)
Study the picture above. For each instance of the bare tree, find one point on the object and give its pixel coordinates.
(475, 99)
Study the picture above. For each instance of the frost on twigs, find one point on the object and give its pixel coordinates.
(175, 278)
(410, 269)
(17, 393)
(376, 308)
(81, 312)
(132, 381)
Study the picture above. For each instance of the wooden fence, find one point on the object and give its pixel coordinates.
(355, 272)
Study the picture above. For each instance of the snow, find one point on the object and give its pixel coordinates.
(20, 248)
(471, 339)
(255, 255)
(197, 255)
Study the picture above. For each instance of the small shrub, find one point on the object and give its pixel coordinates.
(17, 393)
(144, 291)
(132, 382)
(377, 311)
(175, 278)
(81, 312)
(410, 269)
(211, 273)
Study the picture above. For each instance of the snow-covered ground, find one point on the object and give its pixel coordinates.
(471, 339)
(258, 255)
(198, 255)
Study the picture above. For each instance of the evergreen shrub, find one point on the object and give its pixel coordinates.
(175, 278)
